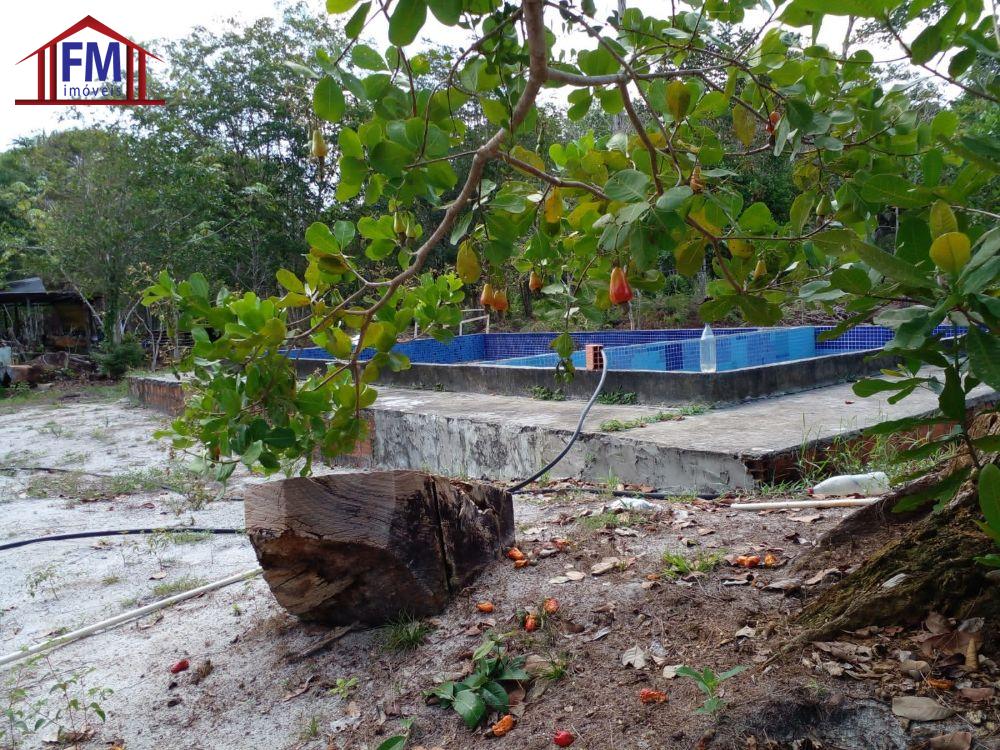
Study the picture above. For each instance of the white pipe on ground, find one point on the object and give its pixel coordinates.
(123, 617)
(844, 502)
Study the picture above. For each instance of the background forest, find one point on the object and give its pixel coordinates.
(221, 179)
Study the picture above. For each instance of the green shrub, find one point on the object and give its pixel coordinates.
(115, 360)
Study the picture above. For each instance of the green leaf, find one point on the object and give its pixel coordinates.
(319, 236)
(328, 100)
(448, 12)
(689, 257)
(893, 190)
(397, 742)
(906, 423)
(836, 241)
(627, 185)
(406, 21)
(942, 219)
(861, 8)
(952, 397)
(470, 707)
(365, 57)
(563, 345)
(390, 158)
(758, 310)
(892, 267)
(799, 212)
(944, 124)
(799, 113)
(674, 198)
(289, 280)
(926, 45)
(716, 309)
(343, 233)
(495, 696)
(989, 495)
(852, 280)
(339, 6)
(350, 144)
(352, 29)
(870, 386)
(757, 218)
(984, 356)
(943, 491)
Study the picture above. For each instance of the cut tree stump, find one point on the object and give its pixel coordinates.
(369, 547)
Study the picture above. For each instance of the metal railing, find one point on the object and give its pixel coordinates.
(483, 315)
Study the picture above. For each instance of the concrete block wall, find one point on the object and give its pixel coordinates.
(164, 395)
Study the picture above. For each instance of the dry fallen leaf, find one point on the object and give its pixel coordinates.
(670, 671)
(953, 741)
(575, 575)
(918, 708)
(977, 694)
(606, 564)
(634, 657)
(821, 576)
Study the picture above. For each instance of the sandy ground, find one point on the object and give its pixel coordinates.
(247, 688)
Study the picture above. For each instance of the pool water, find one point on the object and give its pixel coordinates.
(667, 350)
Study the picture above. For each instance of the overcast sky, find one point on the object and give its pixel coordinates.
(28, 25)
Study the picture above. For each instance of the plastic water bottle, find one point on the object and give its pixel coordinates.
(867, 485)
(708, 358)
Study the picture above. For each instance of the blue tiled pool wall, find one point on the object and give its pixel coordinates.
(735, 348)
(668, 349)
(481, 347)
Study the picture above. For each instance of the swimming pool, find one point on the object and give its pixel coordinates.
(660, 366)
(660, 350)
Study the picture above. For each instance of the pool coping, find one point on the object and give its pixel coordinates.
(650, 386)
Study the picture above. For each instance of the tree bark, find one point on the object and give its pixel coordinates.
(930, 567)
(369, 547)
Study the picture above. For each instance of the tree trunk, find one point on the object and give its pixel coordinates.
(369, 547)
(930, 567)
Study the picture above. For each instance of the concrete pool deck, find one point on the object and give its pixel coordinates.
(507, 437)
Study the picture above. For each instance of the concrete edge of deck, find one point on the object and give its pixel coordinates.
(492, 448)
(651, 387)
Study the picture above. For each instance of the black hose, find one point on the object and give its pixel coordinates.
(579, 427)
(117, 532)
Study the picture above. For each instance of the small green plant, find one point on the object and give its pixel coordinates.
(68, 702)
(110, 580)
(311, 730)
(989, 504)
(708, 682)
(676, 564)
(398, 741)
(555, 669)
(609, 520)
(43, 578)
(693, 410)
(115, 359)
(404, 634)
(54, 429)
(483, 689)
(541, 393)
(343, 688)
(618, 397)
(617, 425)
(179, 586)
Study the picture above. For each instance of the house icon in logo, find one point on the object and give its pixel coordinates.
(100, 64)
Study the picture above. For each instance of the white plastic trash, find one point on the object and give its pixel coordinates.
(867, 485)
(633, 503)
(707, 351)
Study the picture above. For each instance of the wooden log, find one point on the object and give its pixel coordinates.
(369, 547)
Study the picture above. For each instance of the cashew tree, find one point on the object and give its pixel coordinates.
(887, 224)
